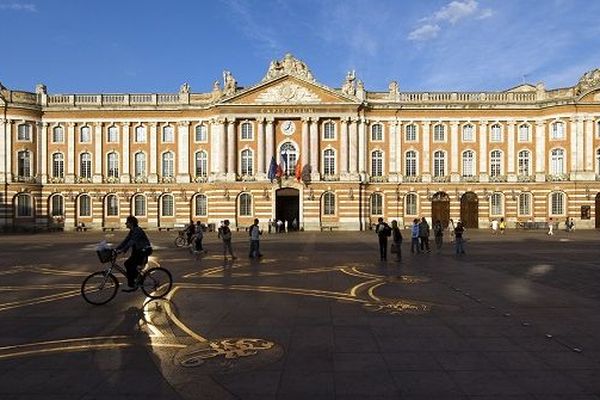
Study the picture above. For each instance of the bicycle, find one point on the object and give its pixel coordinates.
(101, 287)
(181, 239)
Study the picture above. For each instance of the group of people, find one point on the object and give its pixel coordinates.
(420, 232)
(498, 226)
(281, 226)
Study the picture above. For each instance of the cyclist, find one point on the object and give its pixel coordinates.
(140, 250)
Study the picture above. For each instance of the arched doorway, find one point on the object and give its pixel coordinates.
(469, 210)
(287, 207)
(440, 208)
(597, 210)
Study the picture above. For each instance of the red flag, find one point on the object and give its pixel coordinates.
(298, 171)
(279, 171)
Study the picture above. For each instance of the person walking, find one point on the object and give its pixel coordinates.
(383, 231)
(458, 235)
(414, 237)
(494, 226)
(197, 238)
(396, 240)
(451, 230)
(550, 227)
(502, 225)
(424, 235)
(225, 235)
(255, 233)
(438, 232)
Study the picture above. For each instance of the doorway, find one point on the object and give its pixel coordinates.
(597, 210)
(287, 207)
(440, 208)
(469, 210)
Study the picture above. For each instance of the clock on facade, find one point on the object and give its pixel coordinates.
(288, 127)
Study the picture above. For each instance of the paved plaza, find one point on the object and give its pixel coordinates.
(318, 317)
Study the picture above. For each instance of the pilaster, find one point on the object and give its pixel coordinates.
(589, 155)
(260, 149)
(183, 155)
(454, 154)
(362, 147)
(3, 123)
(221, 160)
(98, 156)
(153, 156)
(125, 130)
(483, 152)
(70, 175)
(344, 148)
(269, 142)
(231, 150)
(540, 151)
(314, 149)
(510, 154)
(392, 149)
(353, 138)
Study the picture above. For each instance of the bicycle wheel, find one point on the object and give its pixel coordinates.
(156, 282)
(99, 288)
(180, 241)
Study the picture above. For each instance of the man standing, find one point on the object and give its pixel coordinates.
(438, 231)
(225, 235)
(459, 241)
(424, 235)
(383, 231)
(255, 233)
(414, 237)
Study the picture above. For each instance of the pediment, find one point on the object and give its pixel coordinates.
(288, 90)
(526, 87)
(593, 96)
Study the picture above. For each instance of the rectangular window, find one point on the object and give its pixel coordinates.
(85, 209)
(468, 133)
(168, 135)
(496, 204)
(24, 132)
(201, 133)
(524, 133)
(113, 134)
(411, 204)
(558, 130)
(496, 133)
(140, 134)
(557, 204)
(85, 135)
(524, 204)
(411, 133)
(438, 133)
(167, 206)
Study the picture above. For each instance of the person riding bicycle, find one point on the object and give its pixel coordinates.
(140, 250)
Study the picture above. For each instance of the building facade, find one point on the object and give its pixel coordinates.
(346, 156)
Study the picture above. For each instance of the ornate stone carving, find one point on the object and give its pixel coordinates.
(288, 92)
(229, 83)
(349, 85)
(216, 91)
(185, 88)
(394, 91)
(289, 65)
(40, 88)
(588, 81)
(360, 90)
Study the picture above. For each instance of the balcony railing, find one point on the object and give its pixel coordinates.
(330, 177)
(469, 178)
(24, 179)
(201, 179)
(378, 179)
(526, 178)
(557, 177)
(498, 178)
(443, 178)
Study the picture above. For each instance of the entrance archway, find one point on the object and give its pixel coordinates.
(597, 210)
(469, 210)
(287, 207)
(440, 208)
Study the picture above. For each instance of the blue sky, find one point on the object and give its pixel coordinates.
(115, 46)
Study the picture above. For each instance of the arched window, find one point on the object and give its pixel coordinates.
(168, 134)
(166, 206)
(468, 163)
(524, 133)
(328, 130)
(495, 163)
(245, 205)
(140, 134)
(376, 204)
(558, 130)
(411, 133)
(24, 205)
(468, 133)
(58, 165)
(246, 131)
(24, 132)
(168, 165)
(139, 205)
(201, 133)
(57, 207)
(247, 162)
(377, 132)
(140, 164)
(496, 133)
(524, 161)
(411, 204)
(496, 204)
(439, 163)
(557, 162)
(112, 134)
(85, 134)
(525, 204)
(329, 203)
(85, 206)
(112, 165)
(557, 203)
(200, 209)
(58, 134)
(85, 165)
(201, 164)
(377, 163)
(289, 156)
(329, 162)
(24, 164)
(439, 134)
(411, 163)
(112, 205)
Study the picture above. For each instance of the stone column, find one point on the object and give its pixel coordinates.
(70, 157)
(183, 155)
(344, 148)
(510, 154)
(315, 154)
(362, 147)
(214, 148)
(540, 151)
(98, 156)
(305, 151)
(269, 142)
(231, 150)
(222, 148)
(125, 130)
(392, 151)
(260, 149)
(425, 140)
(153, 156)
(42, 155)
(3, 123)
(353, 136)
(9, 150)
(483, 149)
(589, 155)
(455, 157)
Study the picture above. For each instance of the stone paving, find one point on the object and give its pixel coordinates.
(318, 317)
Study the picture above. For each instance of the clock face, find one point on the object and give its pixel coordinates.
(288, 127)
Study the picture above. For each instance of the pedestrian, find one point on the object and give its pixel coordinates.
(383, 231)
(225, 235)
(438, 232)
(550, 227)
(279, 226)
(294, 224)
(255, 232)
(414, 237)
(396, 241)
(189, 232)
(140, 246)
(502, 226)
(197, 238)
(270, 225)
(494, 226)
(451, 230)
(458, 235)
(424, 235)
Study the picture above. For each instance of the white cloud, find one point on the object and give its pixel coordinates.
(488, 12)
(251, 27)
(455, 11)
(424, 32)
(18, 7)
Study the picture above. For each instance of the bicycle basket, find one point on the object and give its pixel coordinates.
(105, 255)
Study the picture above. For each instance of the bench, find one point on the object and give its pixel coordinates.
(111, 227)
(331, 227)
(166, 228)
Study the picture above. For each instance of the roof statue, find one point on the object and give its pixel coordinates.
(289, 65)
(185, 88)
(349, 85)
(588, 81)
(360, 90)
(229, 83)
(40, 88)
(394, 91)
(216, 91)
